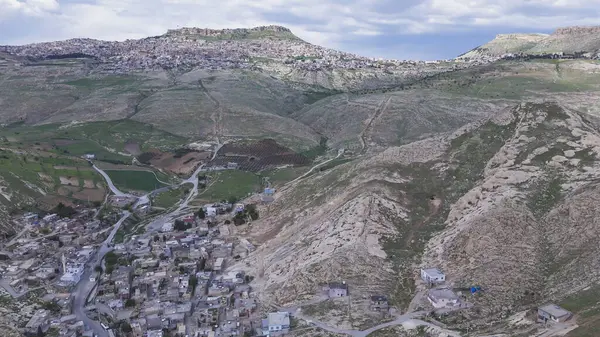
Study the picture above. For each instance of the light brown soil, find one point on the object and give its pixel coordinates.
(88, 183)
(73, 181)
(50, 201)
(133, 148)
(90, 194)
(45, 177)
(184, 165)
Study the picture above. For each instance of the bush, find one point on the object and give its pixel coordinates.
(145, 157)
(130, 303)
(180, 225)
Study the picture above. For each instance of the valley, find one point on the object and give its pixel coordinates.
(349, 174)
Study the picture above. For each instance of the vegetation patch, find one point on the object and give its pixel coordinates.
(586, 305)
(134, 180)
(223, 185)
(281, 176)
(171, 197)
(545, 195)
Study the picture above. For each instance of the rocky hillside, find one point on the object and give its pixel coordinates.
(498, 192)
(569, 40)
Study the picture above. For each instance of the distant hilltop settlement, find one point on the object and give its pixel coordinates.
(206, 49)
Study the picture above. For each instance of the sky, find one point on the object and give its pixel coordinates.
(395, 29)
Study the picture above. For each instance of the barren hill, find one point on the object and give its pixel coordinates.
(568, 40)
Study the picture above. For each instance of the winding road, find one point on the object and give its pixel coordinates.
(110, 184)
(85, 286)
(408, 319)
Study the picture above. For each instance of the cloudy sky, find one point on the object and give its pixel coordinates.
(400, 29)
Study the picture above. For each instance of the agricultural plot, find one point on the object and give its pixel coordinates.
(171, 197)
(258, 156)
(228, 184)
(134, 180)
(94, 137)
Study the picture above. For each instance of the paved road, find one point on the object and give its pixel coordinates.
(193, 179)
(85, 286)
(112, 187)
(364, 333)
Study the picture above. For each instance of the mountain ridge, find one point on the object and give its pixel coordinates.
(486, 168)
(564, 40)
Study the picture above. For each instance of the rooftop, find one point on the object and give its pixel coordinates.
(433, 272)
(278, 318)
(554, 310)
(443, 294)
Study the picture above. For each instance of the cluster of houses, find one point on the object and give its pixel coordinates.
(176, 281)
(49, 254)
(441, 297)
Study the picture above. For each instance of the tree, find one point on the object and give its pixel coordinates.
(64, 211)
(239, 220)
(180, 225)
(125, 327)
(201, 214)
(232, 200)
(130, 303)
(181, 270)
(193, 283)
(156, 238)
(98, 269)
(252, 211)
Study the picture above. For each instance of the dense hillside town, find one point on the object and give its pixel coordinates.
(204, 48)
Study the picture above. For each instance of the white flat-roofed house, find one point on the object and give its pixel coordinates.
(432, 275)
(552, 312)
(276, 323)
(443, 298)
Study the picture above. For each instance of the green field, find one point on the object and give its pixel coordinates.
(93, 137)
(134, 180)
(171, 197)
(231, 183)
(278, 177)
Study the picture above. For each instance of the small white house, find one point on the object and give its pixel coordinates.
(167, 227)
(552, 312)
(432, 275)
(90, 156)
(211, 211)
(276, 323)
(443, 298)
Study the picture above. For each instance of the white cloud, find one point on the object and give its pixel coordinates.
(27, 7)
(327, 22)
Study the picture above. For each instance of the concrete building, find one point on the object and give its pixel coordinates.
(443, 298)
(72, 274)
(379, 303)
(218, 264)
(432, 275)
(211, 211)
(167, 227)
(38, 320)
(276, 323)
(338, 289)
(553, 313)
